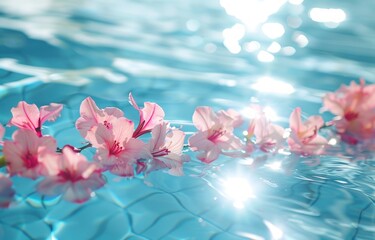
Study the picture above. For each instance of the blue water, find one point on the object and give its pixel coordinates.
(182, 54)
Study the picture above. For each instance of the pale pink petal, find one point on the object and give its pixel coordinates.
(135, 149)
(204, 118)
(6, 191)
(230, 142)
(77, 193)
(25, 116)
(159, 134)
(50, 112)
(199, 141)
(123, 129)
(319, 140)
(13, 155)
(90, 115)
(316, 121)
(104, 158)
(112, 113)
(295, 120)
(102, 137)
(51, 161)
(175, 141)
(52, 186)
(334, 105)
(133, 102)
(123, 169)
(210, 155)
(235, 118)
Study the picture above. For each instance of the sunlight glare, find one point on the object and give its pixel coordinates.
(264, 56)
(269, 85)
(276, 232)
(273, 30)
(276, 166)
(327, 15)
(238, 190)
(252, 12)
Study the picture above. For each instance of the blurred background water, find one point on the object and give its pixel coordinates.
(182, 54)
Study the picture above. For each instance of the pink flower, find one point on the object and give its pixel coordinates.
(354, 106)
(2, 132)
(6, 191)
(166, 149)
(215, 134)
(268, 136)
(28, 116)
(149, 116)
(117, 150)
(71, 175)
(23, 154)
(304, 137)
(92, 116)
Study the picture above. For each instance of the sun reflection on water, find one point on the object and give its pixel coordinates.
(239, 190)
(331, 17)
(269, 85)
(252, 12)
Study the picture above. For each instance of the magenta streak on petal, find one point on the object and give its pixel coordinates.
(116, 148)
(216, 134)
(28, 118)
(138, 132)
(161, 153)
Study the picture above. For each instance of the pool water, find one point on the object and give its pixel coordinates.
(184, 54)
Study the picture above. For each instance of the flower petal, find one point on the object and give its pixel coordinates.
(25, 116)
(204, 118)
(6, 191)
(50, 112)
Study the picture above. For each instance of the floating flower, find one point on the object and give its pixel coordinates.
(6, 191)
(28, 116)
(149, 116)
(354, 106)
(166, 149)
(215, 134)
(117, 150)
(71, 175)
(268, 136)
(23, 154)
(92, 116)
(304, 136)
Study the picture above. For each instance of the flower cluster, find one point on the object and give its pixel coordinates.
(121, 149)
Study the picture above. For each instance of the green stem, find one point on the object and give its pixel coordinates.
(3, 163)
